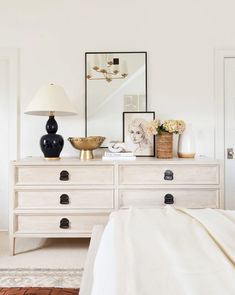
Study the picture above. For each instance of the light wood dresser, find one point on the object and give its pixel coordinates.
(66, 198)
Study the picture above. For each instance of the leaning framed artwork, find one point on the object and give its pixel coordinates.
(135, 136)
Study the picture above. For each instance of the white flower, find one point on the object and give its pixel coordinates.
(152, 127)
(172, 126)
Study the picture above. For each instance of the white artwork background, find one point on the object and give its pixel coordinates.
(128, 118)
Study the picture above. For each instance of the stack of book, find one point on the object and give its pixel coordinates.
(119, 156)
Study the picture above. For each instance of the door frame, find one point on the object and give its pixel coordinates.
(219, 93)
(11, 56)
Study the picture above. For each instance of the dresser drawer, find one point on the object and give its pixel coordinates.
(66, 199)
(53, 223)
(189, 198)
(46, 175)
(168, 174)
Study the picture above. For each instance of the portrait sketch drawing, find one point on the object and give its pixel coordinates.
(134, 133)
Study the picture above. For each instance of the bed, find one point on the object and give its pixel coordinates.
(162, 251)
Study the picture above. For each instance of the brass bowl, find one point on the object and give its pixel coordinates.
(86, 145)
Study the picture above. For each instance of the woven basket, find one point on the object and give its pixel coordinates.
(164, 145)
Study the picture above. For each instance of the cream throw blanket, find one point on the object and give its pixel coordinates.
(169, 251)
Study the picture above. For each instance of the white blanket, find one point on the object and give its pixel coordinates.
(167, 251)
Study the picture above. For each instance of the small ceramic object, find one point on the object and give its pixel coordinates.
(116, 147)
(186, 143)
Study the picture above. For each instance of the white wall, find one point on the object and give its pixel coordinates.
(179, 36)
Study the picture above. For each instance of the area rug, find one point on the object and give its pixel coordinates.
(38, 291)
(58, 278)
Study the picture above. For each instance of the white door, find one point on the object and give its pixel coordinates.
(229, 131)
(4, 145)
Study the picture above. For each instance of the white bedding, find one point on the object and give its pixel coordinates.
(167, 251)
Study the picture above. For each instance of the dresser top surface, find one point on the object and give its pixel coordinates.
(98, 161)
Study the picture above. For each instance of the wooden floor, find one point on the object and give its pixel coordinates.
(38, 291)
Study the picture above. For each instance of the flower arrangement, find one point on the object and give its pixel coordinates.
(171, 126)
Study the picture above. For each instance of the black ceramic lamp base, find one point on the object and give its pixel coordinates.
(51, 144)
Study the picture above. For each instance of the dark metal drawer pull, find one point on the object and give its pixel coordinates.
(64, 175)
(64, 223)
(169, 199)
(64, 199)
(168, 175)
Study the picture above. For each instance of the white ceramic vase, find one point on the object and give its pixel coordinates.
(186, 143)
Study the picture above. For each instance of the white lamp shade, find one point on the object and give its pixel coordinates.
(51, 98)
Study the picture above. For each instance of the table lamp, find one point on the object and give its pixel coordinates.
(51, 100)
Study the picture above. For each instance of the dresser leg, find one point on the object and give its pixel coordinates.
(12, 246)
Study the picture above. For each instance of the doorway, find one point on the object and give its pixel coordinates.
(225, 120)
(9, 126)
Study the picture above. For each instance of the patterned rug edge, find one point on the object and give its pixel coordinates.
(58, 278)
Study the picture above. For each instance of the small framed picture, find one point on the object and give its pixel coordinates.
(134, 133)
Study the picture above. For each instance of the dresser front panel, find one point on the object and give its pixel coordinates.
(50, 175)
(182, 174)
(77, 199)
(51, 223)
(93, 189)
(189, 198)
